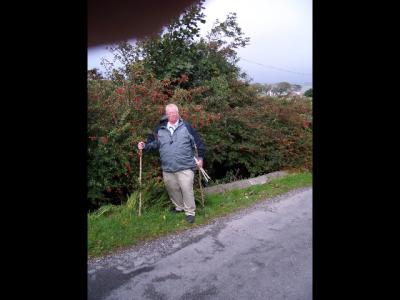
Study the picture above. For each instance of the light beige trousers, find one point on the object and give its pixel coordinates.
(179, 186)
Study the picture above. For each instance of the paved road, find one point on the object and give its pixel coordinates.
(262, 252)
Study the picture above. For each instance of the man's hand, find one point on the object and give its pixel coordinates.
(199, 163)
(140, 145)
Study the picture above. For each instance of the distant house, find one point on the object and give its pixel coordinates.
(273, 93)
(273, 90)
(295, 93)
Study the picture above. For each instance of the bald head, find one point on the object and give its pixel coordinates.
(171, 107)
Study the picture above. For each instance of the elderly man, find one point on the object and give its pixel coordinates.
(175, 139)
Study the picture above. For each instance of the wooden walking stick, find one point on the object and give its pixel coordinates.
(140, 181)
(201, 187)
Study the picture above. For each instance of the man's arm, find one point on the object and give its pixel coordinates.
(201, 148)
(151, 143)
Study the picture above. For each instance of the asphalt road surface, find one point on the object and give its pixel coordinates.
(261, 252)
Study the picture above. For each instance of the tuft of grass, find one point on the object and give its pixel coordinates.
(116, 227)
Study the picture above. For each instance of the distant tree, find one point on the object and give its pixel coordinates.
(308, 93)
(281, 88)
(94, 74)
(180, 50)
(267, 87)
(258, 87)
(264, 88)
(295, 88)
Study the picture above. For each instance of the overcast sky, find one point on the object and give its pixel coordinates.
(280, 34)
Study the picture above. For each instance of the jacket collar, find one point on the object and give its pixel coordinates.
(164, 123)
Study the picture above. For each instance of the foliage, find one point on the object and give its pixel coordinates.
(94, 74)
(180, 50)
(308, 93)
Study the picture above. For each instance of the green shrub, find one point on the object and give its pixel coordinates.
(265, 134)
(308, 93)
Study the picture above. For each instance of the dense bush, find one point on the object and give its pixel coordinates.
(264, 134)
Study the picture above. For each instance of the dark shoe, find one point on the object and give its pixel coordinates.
(190, 219)
(174, 211)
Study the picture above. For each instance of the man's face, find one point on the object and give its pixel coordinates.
(172, 115)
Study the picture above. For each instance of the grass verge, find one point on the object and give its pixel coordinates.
(116, 227)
